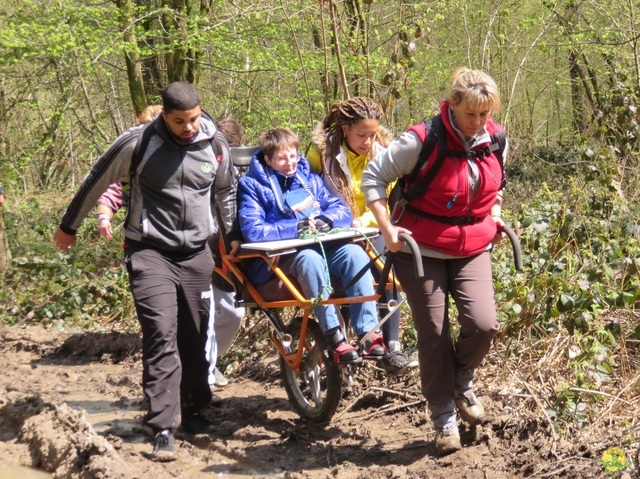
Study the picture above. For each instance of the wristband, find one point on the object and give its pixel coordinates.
(103, 216)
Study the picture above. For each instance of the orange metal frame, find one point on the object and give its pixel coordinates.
(293, 359)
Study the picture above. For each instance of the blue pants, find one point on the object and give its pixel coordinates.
(344, 261)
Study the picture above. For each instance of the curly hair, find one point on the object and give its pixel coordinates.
(347, 112)
(148, 114)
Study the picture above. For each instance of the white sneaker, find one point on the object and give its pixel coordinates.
(220, 379)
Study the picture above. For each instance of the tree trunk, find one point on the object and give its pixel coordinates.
(576, 93)
(132, 57)
(5, 253)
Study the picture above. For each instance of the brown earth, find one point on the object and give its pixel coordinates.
(71, 404)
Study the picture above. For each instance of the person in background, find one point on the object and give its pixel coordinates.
(342, 146)
(455, 222)
(280, 199)
(169, 221)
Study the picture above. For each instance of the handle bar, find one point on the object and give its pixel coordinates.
(417, 262)
(417, 258)
(515, 244)
(415, 252)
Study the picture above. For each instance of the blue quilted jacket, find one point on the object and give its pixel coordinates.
(262, 216)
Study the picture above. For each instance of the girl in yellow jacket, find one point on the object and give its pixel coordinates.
(342, 146)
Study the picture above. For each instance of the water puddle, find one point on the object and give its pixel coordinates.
(8, 471)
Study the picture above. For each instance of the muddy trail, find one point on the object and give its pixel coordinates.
(71, 405)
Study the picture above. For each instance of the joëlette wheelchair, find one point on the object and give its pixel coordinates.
(313, 382)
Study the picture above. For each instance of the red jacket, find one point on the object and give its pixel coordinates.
(452, 181)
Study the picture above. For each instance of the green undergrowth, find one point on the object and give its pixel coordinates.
(84, 288)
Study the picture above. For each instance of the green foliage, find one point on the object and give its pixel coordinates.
(86, 288)
(579, 235)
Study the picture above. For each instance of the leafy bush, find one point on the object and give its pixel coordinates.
(86, 287)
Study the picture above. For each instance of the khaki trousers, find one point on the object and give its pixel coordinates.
(469, 282)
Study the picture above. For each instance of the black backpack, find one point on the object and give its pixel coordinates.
(408, 189)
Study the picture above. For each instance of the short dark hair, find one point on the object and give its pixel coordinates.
(232, 131)
(272, 140)
(181, 96)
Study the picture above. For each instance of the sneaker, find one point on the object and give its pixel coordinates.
(397, 363)
(344, 353)
(447, 441)
(195, 424)
(374, 347)
(470, 408)
(220, 379)
(164, 449)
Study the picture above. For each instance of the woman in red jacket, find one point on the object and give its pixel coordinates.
(455, 220)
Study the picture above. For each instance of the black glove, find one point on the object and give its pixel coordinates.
(303, 227)
(323, 224)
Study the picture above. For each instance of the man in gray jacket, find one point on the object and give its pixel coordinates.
(169, 220)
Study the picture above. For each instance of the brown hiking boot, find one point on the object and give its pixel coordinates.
(447, 441)
(470, 408)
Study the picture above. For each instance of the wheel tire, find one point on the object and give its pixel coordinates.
(314, 390)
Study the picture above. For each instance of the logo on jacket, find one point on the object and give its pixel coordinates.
(207, 167)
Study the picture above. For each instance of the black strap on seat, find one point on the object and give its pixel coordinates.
(341, 292)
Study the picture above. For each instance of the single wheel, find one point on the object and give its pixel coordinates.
(314, 390)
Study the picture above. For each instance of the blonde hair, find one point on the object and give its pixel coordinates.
(475, 86)
(149, 114)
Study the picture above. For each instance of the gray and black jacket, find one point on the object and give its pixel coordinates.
(171, 192)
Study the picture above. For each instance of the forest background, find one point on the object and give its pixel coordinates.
(75, 73)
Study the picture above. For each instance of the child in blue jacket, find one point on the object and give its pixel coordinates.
(280, 199)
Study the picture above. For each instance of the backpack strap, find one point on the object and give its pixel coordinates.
(499, 141)
(437, 134)
(144, 136)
